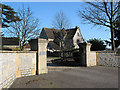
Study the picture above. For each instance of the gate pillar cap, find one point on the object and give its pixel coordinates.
(84, 44)
(43, 40)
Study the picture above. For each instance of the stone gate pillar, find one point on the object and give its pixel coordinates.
(40, 45)
(85, 53)
(42, 56)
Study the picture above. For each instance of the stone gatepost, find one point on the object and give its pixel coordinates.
(85, 53)
(42, 56)
(40, 45)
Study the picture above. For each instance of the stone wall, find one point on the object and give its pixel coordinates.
(107, 59)
(92, 59)
(40, 45)
(97, 58)
(15, 64)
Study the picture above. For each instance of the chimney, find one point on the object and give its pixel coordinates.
(76, 27)
(43, 27)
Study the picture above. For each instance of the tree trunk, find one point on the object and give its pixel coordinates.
(112, 29)
(112, 39)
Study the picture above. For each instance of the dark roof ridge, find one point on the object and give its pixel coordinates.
(73, 28)
(59, 29)
(10, 37)
(50, 28)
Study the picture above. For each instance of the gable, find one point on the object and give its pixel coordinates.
(48, 33)
(78, 37)
(43, 34)
(70, 33)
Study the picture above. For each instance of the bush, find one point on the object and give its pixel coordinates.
(6, 48)
(118, 51)
(97, 44)
(16, 49)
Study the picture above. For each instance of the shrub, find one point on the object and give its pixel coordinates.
(16, 49)
(97, 44)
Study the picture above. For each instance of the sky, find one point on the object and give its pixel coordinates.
(46, 11)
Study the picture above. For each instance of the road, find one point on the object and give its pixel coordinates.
(71, 77)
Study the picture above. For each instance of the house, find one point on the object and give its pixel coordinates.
(27, 47)
(118, 47)
(71, 38)
(48, 33)
(9, 43)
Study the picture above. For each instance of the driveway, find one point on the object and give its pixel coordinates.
(71, 77)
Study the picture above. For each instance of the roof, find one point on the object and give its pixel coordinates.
(10, 41)
(54, 45)
(27, 45)
(71, 32)
(50, 32)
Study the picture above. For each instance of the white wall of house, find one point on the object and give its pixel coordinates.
(77, 38)
(50, 39)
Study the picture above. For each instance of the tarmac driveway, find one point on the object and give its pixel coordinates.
(72, 77)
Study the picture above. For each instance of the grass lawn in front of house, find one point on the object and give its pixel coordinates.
(54, 57)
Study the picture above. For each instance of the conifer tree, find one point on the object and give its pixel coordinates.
(8, 15)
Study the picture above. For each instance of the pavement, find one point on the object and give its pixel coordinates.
(71, 77)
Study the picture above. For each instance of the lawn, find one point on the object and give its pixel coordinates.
(54, 57)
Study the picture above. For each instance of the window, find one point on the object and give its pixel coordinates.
(78, 41)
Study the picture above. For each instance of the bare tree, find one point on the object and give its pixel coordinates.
(61, 21)
(103, 14)
(25, 29)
